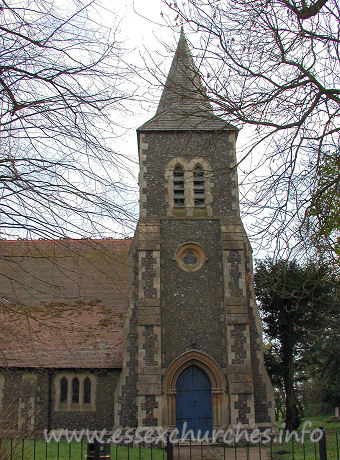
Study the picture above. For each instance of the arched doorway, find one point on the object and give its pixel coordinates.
(219, 397)
(193, 401)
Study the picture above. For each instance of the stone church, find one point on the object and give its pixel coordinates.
(157, 330)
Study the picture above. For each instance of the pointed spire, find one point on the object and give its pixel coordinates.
(183, 88)
(184, 104)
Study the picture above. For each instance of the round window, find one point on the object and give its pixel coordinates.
(190, 257)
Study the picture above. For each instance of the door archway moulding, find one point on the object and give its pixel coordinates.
(215, 375)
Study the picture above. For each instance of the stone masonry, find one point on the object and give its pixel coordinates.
(205, 317)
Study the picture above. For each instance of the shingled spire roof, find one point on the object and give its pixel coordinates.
(184, 104)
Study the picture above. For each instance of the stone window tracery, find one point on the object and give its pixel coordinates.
(75, 392)
(188, 185)
(190, 257)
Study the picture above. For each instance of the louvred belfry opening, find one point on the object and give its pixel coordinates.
(179, 199)
(199, 194)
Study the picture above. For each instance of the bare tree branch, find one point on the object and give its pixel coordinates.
(273, 67)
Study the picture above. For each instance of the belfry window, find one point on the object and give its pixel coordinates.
(179, 200)
(199, 189)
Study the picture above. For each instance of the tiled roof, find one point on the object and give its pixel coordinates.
(184, 104)
(63, 302)
(81, 337)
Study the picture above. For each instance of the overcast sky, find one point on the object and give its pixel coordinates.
(144, 34)
(147, 34)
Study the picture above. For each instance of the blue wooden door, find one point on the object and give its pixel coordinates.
(193, 401)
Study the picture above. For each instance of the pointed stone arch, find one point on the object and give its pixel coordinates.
(169, 184)
(188, 167)
(208, 184)
(215, 375)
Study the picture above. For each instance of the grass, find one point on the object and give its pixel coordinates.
(69, 451)
(24, 450)
(309, 450)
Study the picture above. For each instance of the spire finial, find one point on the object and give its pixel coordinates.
(182, 30)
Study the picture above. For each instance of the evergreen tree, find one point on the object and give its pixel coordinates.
(299, 308)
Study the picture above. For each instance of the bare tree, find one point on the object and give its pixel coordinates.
(62, 79)
(273, 66)
(61, 73)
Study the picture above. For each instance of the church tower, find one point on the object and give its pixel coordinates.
(193, 346)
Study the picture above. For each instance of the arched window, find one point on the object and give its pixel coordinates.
(179, 200)
(63, 390)
(199, 190)
(87, 391)
(75, 390)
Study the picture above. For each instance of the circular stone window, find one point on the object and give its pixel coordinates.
(190, 257)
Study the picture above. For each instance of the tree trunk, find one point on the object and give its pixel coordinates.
(291, 412)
